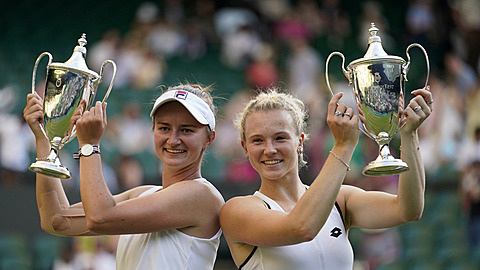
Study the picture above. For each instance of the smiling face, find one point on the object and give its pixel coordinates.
(179, 138)
(271, 143)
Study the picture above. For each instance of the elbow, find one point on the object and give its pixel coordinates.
(305, 233)
(95, 224)
(307, 236)
(417, 216)
(56, 224)
(414, 215)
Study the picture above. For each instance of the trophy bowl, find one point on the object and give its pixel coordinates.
(67, 84)
(378, 81)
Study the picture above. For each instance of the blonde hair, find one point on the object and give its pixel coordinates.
(273, 99)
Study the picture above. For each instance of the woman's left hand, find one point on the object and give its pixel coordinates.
(91, 124)
(419, 108)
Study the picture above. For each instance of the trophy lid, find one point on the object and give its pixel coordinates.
(77, 60)
(375, 44)
(375, 51)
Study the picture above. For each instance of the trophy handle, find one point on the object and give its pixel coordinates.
(50, 58)
(407, 65)
(345, 72)
(111, 81)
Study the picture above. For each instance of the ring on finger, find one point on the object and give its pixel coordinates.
(430, 102)
(338, 113)
(417, 108)
(348, 114)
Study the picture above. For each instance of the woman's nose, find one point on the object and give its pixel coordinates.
(270, 148)
(173, 139)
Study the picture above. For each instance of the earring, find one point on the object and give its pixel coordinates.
(300, 150)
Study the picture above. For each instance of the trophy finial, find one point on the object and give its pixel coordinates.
(373, 34)
(82, 41)
(373, 30)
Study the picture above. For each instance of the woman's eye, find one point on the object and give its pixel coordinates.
(185, 130)
(164, 129)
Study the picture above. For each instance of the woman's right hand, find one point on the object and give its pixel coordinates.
(342, 122)
(33, 114)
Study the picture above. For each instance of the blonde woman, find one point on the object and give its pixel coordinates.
(288, 225)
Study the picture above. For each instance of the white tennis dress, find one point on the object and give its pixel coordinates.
(329, 250)
(166, 250)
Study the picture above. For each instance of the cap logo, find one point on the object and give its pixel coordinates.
(181, 94)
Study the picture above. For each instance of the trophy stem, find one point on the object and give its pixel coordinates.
(385, 164)
(51, 166)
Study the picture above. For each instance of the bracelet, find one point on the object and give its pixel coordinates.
(44, 158)
(339, 158)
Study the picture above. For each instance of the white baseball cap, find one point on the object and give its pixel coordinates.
(195, 105)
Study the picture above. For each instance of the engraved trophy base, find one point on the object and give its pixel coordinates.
(385, 167)
(53, 169)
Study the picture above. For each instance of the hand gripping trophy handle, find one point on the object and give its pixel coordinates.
(71, 135)
(67, 84)
(347, 74)
(406, 67)
(378, 82)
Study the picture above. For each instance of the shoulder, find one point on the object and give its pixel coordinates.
(249, 200)
(201, 186)
(241, 206)
(346, 192)
(133, 193)
(196, 193)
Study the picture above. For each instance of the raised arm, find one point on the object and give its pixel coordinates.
(57, 216)
(247, 220)
(190, 206)
(381, 210)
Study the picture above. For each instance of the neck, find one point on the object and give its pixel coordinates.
(287, 191)
(171, 176)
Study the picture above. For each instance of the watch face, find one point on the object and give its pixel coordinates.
(87, 150)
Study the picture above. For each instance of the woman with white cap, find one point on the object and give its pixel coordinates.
(173, 226)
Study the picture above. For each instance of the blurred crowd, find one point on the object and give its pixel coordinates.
(283, 43)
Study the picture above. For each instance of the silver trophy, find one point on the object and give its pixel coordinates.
(378, 81)
(66, 85)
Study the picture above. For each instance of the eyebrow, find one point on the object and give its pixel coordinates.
(275, 134)
(182, 126)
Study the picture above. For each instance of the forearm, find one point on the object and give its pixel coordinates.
(411, 186)
(96, 197)
(50, 194)
(56, 214)
(316, 205)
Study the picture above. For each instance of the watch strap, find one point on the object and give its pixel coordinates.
(96, 150)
